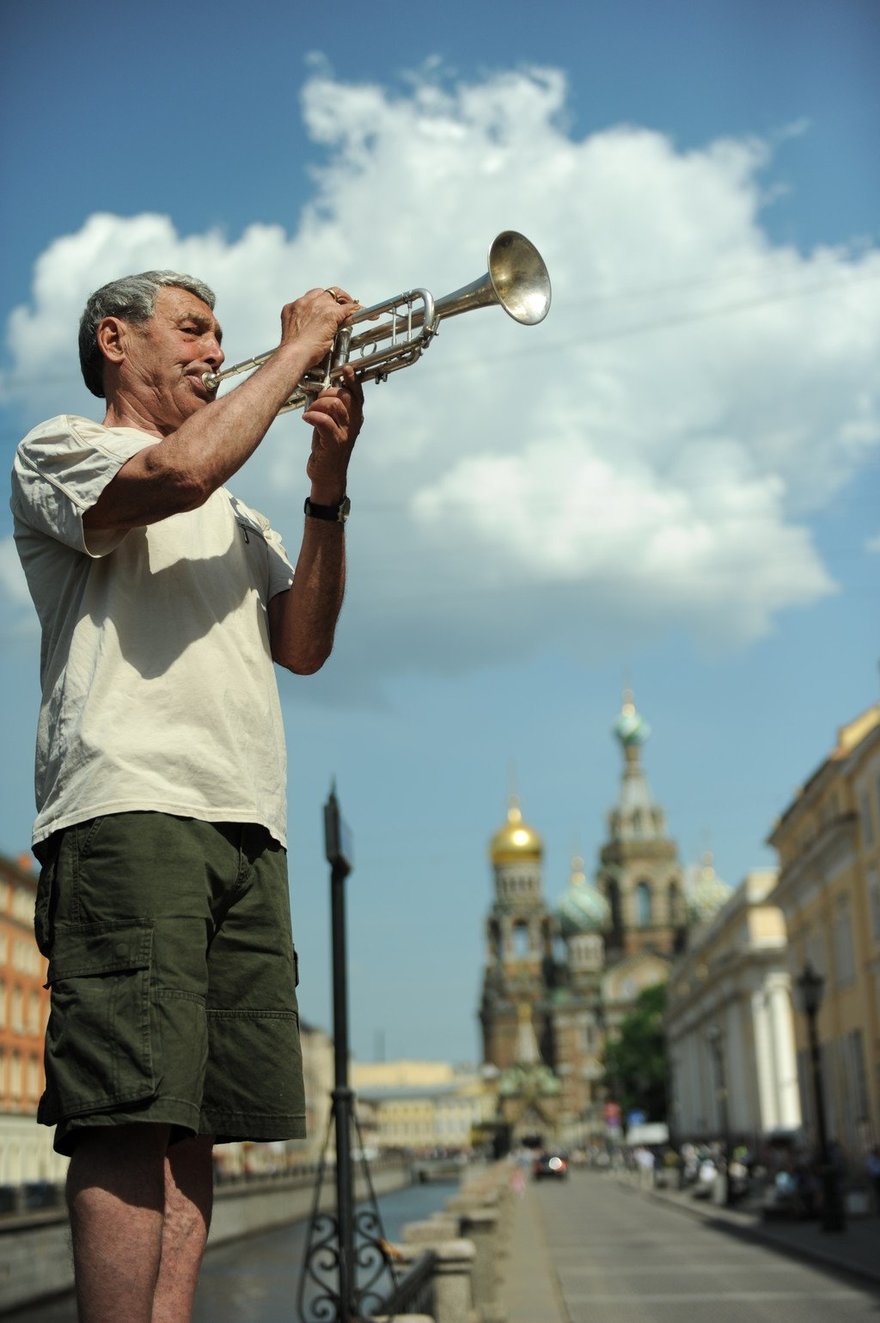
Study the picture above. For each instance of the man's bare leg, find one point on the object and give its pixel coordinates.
(189, 1192)
(116, 1198)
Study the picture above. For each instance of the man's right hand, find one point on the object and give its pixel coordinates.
(311, 322)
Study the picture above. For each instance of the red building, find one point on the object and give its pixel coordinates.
(24, 1001)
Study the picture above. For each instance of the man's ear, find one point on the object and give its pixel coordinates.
(111, 337)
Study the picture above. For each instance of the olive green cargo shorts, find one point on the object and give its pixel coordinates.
(172, 974)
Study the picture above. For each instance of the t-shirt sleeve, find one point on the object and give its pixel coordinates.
(280, 568)
(60, 470)
(279, 571)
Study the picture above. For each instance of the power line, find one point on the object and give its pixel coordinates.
(838, 284)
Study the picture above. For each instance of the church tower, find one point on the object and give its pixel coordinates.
(639, 871)
(520, 933)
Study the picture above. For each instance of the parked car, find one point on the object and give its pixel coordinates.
(552, 1165)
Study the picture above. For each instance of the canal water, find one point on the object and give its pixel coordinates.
(256, 1280)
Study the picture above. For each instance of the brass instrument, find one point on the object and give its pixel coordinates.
(517, 279)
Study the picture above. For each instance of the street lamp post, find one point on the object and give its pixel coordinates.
(715, 1043)
(810, 986)
(338, 1245)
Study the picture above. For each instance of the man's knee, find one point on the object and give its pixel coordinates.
(125, 1162)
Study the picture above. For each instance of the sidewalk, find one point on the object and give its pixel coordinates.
(855, 1250)
(532, 1292)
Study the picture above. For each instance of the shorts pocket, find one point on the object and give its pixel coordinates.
(98, 1041)
(44, 906)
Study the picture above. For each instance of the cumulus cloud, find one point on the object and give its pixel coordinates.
(649, 457)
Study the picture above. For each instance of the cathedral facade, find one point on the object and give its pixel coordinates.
(558, 980)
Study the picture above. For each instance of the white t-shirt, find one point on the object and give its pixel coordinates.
(159, 690)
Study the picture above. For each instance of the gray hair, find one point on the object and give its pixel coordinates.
(134, 298)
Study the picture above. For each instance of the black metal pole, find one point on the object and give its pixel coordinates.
(339, 857)
(342, 1097)
(833, 1218)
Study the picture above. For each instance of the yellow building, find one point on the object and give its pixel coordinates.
(828, 842)
(420, 1106)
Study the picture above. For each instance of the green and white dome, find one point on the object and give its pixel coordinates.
(707, 893)
(582, 908)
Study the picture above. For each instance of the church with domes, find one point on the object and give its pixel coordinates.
(559, 979)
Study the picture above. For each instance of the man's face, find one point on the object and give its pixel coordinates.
(167, 356)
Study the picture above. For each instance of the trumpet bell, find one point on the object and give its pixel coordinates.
(517, 280)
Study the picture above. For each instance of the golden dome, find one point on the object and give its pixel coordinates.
(516, 840)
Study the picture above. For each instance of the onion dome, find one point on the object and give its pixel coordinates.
(707, 893)
(515, 841)
(630, 727)
(582, 908)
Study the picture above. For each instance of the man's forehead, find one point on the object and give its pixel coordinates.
(172, 301)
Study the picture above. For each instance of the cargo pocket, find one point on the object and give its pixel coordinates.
(98, 1045)
(44, 907)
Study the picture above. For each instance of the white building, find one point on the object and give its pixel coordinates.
(729, 1023)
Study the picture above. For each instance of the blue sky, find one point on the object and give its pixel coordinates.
(672, 481)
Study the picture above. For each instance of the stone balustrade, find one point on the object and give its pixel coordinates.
(469, 1240)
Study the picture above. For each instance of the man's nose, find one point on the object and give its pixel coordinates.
(213, 352)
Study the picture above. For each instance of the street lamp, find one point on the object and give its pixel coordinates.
(810, 986)
(337, 1246)
(715, 1043)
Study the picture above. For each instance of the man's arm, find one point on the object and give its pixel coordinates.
(181, 471)
(302, 621)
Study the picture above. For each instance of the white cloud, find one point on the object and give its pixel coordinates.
(649, 456)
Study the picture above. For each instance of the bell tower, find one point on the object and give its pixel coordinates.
(519, 932)
(639, 870)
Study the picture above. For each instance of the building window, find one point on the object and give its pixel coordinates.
(874, 902)
(15, 1077)
(844, 956)
(867, 821)
(643, 905)
(857, 1077)
(814, 953)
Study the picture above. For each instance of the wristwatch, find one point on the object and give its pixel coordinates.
(337, 514)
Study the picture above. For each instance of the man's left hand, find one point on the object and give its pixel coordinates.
(336, 416)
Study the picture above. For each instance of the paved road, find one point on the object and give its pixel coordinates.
(590, 1249)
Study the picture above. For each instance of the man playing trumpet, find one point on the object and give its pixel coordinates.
(160, 771)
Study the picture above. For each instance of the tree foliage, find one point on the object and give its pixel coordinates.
(636, 1066)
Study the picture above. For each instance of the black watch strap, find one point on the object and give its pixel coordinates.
(337, 514)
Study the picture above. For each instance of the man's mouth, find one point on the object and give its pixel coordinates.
(198, 380)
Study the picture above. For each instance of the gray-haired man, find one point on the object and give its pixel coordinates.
(160, 771)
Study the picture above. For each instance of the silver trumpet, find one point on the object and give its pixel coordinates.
(405, 325)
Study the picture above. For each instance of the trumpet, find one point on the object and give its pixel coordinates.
(405, 325)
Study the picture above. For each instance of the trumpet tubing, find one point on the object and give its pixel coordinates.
(403, 327)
